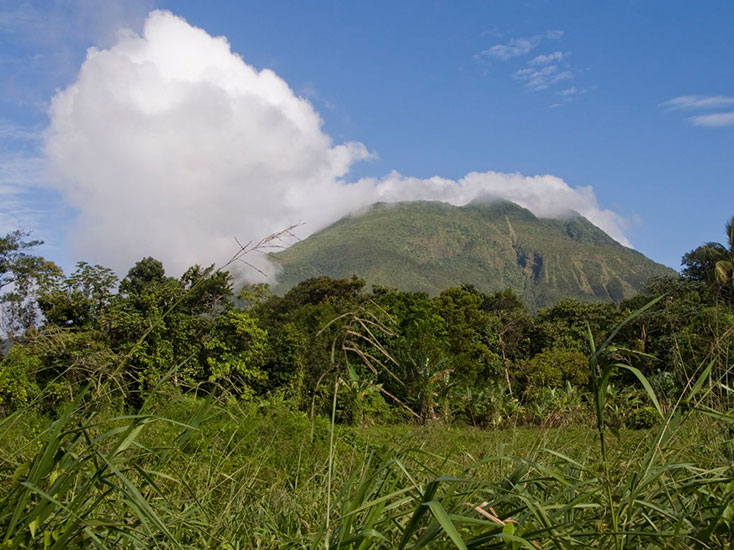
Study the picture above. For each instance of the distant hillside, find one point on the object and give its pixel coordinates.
(430, 246)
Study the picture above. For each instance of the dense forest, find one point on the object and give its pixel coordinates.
(461, 356)
(83, 351)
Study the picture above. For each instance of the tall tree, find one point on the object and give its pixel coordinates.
(513, 324)
(713, 263)
(21, 274)
(79, 300)
(725, 266)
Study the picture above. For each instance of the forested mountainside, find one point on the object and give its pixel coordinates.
(430, 246)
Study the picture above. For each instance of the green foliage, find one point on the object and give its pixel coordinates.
(15, 263)
(553, 368)
(237, 347)
(251, 295)
(713, 264)
(161, 324)
(429, 383)
(420, 338)
(361, 402)
(642, 418)
(152, 445)
(80, 300)
(74, 357)
(17, 378)
(21, 274)
(564, 325)
(205, 291)
(472, 335)
(210, 472)
(318, 289)
(144, 275)
(492, 406)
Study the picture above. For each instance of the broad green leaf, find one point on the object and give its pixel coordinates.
(444, 520)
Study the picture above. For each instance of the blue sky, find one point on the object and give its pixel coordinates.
(632, 98)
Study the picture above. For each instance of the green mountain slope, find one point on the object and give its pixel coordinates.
(429, 246)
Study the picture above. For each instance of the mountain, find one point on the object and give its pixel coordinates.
(430, 246)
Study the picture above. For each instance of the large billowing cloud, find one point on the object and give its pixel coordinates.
(170, 145)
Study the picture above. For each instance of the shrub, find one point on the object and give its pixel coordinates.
(552, 368)
(17, 373)
(642, 418)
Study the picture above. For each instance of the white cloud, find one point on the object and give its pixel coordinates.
(19, 176)
(537, 79)
(519, 46)
(546, 196)
(544, 59)
(714, 120)
(696, 102)
(516, 47)
(542, 71)
(170, 145)
(704, 103)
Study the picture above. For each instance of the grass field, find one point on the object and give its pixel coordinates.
(203, 473)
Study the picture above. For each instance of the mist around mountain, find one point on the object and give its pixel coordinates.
(429, 246)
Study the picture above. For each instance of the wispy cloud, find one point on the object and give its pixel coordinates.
(541, 72)
(519, 46)
(714, 120)
(554, 57)
(542, 79)
(695, 102)
(19, 18)
(704, 103)
(56, 23)
(19, 177)
(16, 132)
(571, 94)
(48, 36)
(21, 171)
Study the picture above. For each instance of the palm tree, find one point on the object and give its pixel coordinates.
(725, 266)
(713, 263)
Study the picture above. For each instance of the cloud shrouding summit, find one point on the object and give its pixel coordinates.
(170, 145)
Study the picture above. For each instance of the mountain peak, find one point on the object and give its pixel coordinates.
(493, 244)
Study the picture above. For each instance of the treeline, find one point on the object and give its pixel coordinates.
(462, 356)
